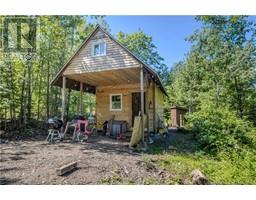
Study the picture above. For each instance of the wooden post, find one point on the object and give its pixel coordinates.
(63, 98)
(81, 97)
(142, 101)
(154, 106)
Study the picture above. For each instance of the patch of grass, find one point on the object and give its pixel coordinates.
(149, 181)
(115, 179)
(183, 154)
(218, 171)
(156, 149)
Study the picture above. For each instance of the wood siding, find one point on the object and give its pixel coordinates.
(116, 57)
(103, 112)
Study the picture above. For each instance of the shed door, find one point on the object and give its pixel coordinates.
(136, 105)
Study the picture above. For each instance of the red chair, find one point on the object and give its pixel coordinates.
(81, 133)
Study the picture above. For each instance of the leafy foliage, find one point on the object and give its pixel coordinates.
(221, 130)
(142, 45)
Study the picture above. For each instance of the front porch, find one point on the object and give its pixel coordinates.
(132, 87)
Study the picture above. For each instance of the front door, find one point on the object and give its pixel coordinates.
(136, 105)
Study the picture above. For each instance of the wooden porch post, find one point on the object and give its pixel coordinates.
(142, 100)
(63, 98)
(81, 97)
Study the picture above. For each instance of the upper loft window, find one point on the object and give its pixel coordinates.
(99, 48)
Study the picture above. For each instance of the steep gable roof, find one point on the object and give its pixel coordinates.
(98, 27)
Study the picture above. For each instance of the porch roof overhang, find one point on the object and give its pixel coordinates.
(107, 77)
(75, 85)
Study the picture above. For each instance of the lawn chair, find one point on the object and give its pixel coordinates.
(81, 133)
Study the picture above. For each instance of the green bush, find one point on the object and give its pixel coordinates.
(218, 129)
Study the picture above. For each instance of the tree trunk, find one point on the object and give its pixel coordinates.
(239, 100)
(22, 111)
(39, 92)
(5, 119)
(48, 86)
(217, 94)
(55, 110)
(29, 93)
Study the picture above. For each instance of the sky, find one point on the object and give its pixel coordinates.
(168, 32)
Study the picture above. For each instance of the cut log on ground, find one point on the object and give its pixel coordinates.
(66, 168)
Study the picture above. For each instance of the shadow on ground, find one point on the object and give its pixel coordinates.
(177, 141)
(8, 181)
(9, 169)
(108, 145)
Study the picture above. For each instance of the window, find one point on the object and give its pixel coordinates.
(99, 48)
(115, 102)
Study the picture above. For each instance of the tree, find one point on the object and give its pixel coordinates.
(227, 44)
(142, 45)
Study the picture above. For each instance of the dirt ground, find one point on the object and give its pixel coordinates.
(100, 161)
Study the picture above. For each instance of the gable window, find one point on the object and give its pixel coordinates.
(99, 48)
(115, 102)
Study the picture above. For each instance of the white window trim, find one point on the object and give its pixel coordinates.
(97, 42)
(110, 102)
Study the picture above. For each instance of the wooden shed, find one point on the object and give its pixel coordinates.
(122, 83)
(177, 116)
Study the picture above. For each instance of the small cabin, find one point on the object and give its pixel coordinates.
(123, 84)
